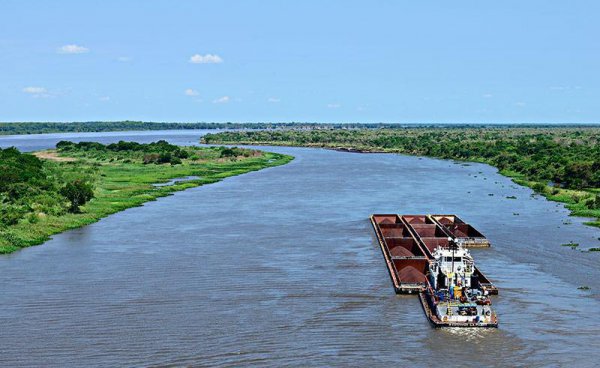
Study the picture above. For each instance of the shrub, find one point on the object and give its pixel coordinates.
(164, 157)
(593, 203)
(78, 192)
(539, 187)
(10, 214)
(32, 218)
(150, 158)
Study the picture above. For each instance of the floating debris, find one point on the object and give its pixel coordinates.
(571, 244)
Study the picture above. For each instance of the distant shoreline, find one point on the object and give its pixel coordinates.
(26, 128)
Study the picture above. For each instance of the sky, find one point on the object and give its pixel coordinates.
(306, 61)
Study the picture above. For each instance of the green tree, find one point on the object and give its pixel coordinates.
(78, 192)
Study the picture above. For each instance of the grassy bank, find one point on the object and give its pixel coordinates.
(575, 200)
(561, 163)
(121, 178)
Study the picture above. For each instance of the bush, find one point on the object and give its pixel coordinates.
(164, 157)
(10, 214)
(593, 203)
(233, 152)
(78, 192)
(150, 158)
(539, 188)
(32, 218)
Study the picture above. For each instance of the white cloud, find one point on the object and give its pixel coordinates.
(205, 59)
(273, 99)
(520, 104)
(124, 59)
(488, 95)
(191, 92)
(223, 99)
(104, 98)
(334, 105)
(34, 90)
(72, 49)
(37, 92)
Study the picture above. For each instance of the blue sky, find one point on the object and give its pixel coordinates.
(318, 61)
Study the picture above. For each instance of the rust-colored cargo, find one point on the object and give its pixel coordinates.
(407, 243)
(464, 233)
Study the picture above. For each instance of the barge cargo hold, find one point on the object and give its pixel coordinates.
(416, 249)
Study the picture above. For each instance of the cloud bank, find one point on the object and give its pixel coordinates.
(205, 59)
(72, 49)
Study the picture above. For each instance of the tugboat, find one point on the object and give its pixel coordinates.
(453, 295)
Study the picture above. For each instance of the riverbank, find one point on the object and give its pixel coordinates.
(559, 163)
(121, 180)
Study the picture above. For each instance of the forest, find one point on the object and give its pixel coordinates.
(17, 128)
(29, 185)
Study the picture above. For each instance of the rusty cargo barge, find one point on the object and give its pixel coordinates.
(427, 255)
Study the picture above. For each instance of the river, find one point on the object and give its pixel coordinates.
(280, 267)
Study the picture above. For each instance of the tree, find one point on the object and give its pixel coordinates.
(78, 192)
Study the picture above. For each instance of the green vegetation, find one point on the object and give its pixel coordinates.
(78, 192)
(561, 163)
(106, 126)
(114, 126)
(79, 183)
(571, 244)
(117, 126)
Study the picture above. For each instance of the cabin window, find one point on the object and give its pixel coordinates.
(456, 259)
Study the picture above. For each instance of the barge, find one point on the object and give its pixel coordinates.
(427, 255)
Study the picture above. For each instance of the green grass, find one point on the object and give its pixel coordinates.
(120, 185)
(573, 199)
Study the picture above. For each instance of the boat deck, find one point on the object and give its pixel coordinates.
(436, 322)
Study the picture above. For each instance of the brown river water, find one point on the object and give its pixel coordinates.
(281, 268)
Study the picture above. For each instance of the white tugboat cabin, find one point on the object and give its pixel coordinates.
(455, 297)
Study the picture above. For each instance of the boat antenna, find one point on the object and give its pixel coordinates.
(452, 244)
